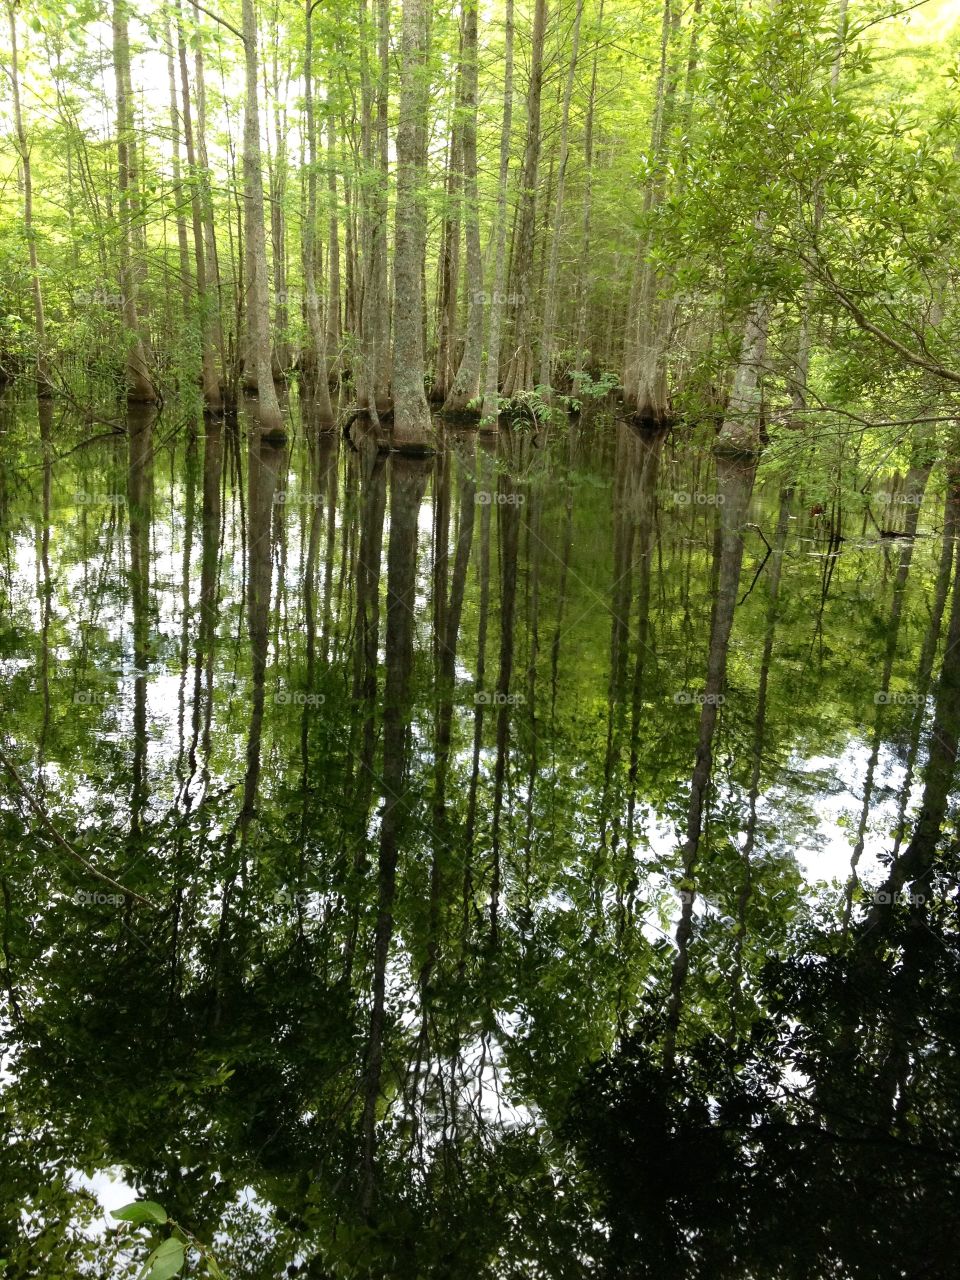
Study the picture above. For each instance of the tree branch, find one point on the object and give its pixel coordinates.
(47, 821)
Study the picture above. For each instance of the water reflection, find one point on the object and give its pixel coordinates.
(467, 808)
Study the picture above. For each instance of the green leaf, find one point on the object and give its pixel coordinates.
(141, 1211)
(165, 1261)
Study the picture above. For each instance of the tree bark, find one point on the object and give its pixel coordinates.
(465, 391)
(520, 371)
(490, 410)
(743, 420)
(650, 318)
(373, 382)
(411, 423)
(315, 354)
(183, 246)
(550, 293)
(139, 385)
(211, 340)
(585, 275)
(449, 265)
(333, 249)
(23, 147)
(258, 301)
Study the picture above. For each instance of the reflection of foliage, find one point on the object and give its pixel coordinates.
(216, 1050)
(823, 1143)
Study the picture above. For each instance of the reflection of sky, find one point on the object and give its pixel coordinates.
(96, 592)
(822, 851)
(824, 855)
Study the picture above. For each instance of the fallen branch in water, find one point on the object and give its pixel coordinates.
(61, 840)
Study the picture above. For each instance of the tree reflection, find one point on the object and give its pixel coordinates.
(473, 794)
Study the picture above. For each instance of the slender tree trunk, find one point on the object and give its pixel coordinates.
(315, 355)
(333, 267)
(23, 147)
(258, 300)
(214, 362)
(585, 275)
(373, 378)
(490, 410)
(519, 376)
(183, 244)
(465, 391)
(550, 294)
(206, 296)
(449, 266)
(140, 388)
(650, 317)
(411, 423)
(801, 370)
(743, 420)
(276, 185)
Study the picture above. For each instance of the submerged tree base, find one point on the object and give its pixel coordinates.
(650, 419)
(360, 425)
(410, 444)
(469, 418)
(734, 450)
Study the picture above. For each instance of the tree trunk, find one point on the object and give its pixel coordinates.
(805, 341)
(258, 299)
(183, 245)
(276, 185)
(333, 268)
(315, 354)
(490, 410)
(23, 147)
(650, 319)
(464, 394)
(743, 420)
(550, 294)
(411, 423)
(520, 372)
(140, 388)
(373, 377)
(214, 361)
(585, 275)
(449, 265)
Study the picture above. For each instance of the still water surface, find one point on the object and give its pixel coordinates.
(535, 860)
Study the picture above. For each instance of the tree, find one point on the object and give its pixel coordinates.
(139, 385)
(258, 301)
(411, 413)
